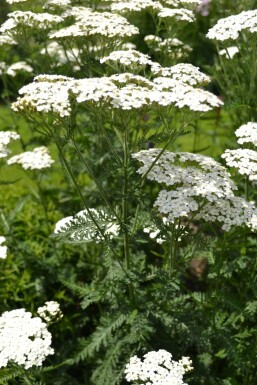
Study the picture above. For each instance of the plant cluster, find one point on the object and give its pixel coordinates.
(128, 228)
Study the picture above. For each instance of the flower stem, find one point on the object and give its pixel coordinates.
(90, 172)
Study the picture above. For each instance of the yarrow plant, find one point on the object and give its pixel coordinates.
(148, 237)
(37, 159)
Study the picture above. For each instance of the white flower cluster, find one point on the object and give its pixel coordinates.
(229, 52)
(187, 169)
(15, 1)
(180, 14)
(15, 68)
(183, 72)
(23, 339)
(124, 7)
(233, 211)
(183, 95)
(29, 19)
(3, 249)
(243, 159)
(48, 93)
(6, 40)
(136, 6)
(37, 159)
(127, 57)
(52, 93)
(200, 185)
(5, 138)
(81, 227)
(88, 23)
(157, 368)
(231, 26)
(184, 3)
(247, 133)
(50, 312)
(53, 4)
(152, 39)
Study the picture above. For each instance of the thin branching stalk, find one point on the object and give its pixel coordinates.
(173, 136)
(91, 173)
(125, 229)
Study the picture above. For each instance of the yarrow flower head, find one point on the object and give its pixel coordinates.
(3, 249)
(29, 19)
(15, 1)
(183, 72)
(247, 133)
(231, 26)
(15, 68)
(183, 3)
(57, 4)
(89, 23)
(124, 7)
(24, 339)
(50, 312)
(200, 185)
(128, 58)
(180, 14)
(157, 368)
(47, 93)
(37, 159)
(243, 159)
(5, 138)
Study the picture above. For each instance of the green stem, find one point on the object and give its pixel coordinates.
(108, 140)
(125, 212)
(135, 223)
(173, 249)
(44, 204)
(252, 77)
(125, 200)
(217, 289)
(70, 173)
(247, 188)
(195, 136)
(76, 185)
(171, 139)
(91, 173)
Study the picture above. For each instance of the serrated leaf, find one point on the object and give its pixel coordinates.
(85, 226)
